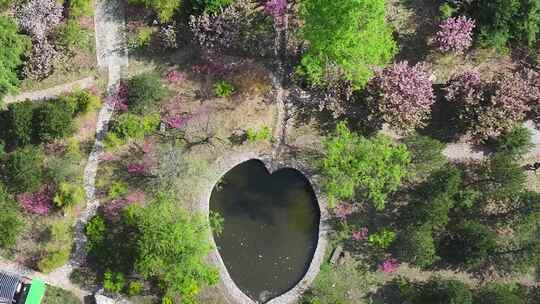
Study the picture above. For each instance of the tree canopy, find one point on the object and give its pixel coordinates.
(13, 48)
(353, 34)
(172, 246)
(372, 168)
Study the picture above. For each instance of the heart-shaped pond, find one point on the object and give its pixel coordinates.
(270, 230)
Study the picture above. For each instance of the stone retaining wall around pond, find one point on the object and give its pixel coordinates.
(228, 286)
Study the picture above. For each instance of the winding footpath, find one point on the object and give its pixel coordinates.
(112, 56)
(52, 92)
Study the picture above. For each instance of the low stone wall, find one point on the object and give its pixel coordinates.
(228, 286)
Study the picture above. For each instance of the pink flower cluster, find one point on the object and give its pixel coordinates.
(113, 209)
(140, 168)
(175, 77)
(119, 98)
(275, 8)
(389, 265)
(455, 34)
(39, 202)
(343, 211)
(360, 234)
(173, 115)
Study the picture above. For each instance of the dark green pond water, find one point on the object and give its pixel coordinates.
(270, 229)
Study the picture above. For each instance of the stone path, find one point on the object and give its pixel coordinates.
(52, 92)
(112, 55)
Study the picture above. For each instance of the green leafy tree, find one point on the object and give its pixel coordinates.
(164, 9)
(373, 168)
(499, 294)
(144, 91)
(499, 177)
(14, 45)
(503, 20)
(17, 121)
(23, 170)
(73, 36)
(172, 246)
(435, 198)
(353, 34)
(515, 143)
(438, 290)
(469, 243)
(11, 222)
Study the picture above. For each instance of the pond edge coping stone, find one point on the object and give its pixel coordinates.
(220, 168)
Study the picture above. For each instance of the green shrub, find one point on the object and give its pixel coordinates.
(52, 121)
(14, 46)
(164, 9)
(382, 238)
(142, 38)
(417, 246)
(516, 143)
(95, 232)
(55, 295)
(262, 134)
(130, 126)
(134, 288)
(23, 170)
(74, 37)
(79, 8)
(11, 221)
(113, 281)
(86, 101)
(447, 10)
(17, 121)
(144, 92)
(58, 248)
(69, 195)
(208, 6)
(223, 88)
(117, 189)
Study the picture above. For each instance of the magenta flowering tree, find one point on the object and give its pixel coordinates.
(175, 77)
(275, 8)
(360, 234)
(455, 34)
(404, 96)
(39, 202)
(389, 265)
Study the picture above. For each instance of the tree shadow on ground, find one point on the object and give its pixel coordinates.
(414, 43)
(443, 123)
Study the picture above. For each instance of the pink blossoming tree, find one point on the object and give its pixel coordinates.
(404, 96)
(455, 34)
